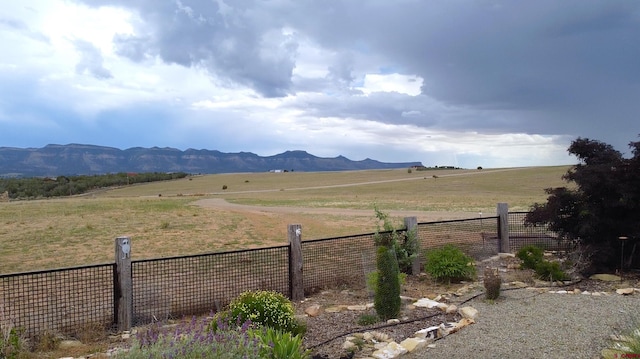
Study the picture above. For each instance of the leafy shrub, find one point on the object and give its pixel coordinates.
(405, 247)
(195, 340)
(530, 256)
(550, 271)
(277, 344)
(387, 297)
(449, 264)
(265, 308)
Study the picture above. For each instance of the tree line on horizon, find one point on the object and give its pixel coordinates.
(47, 187)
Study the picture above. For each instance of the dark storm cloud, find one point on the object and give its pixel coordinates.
(243, 44)
(545, 67)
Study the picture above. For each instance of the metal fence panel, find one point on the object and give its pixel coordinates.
(521, 235)
(64, 300)
(476, 237)
(336, 262)
(175, 287)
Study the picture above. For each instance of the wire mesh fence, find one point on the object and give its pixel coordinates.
(476, 237)
(63, 300)
(336, 262)
(174, 287)
(522, 234)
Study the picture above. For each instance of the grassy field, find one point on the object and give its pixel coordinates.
(162, 220)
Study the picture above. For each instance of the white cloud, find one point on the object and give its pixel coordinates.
(405, 84)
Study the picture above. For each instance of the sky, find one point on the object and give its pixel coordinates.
(464, 83)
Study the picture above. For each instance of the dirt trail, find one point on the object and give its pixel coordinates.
(423, 216)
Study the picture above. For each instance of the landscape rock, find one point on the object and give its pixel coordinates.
(468, 312)
(606, 277)
(313, 310)
(426, 303)
(391, 350)
(412, 344)
(625, 291)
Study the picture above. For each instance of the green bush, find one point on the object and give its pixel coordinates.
(372, 280)
(404, 246)
(550, 271)
(387, 297)
(265, 308)
(277, 344)
(531, 256)
(449, 264)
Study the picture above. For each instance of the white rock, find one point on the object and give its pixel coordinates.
(426, 303)
(468, 312)
(392, 350)
(451, 309)
(412, 344)
(586, 292)
(431, 346)
(562, 292)
(506, 255)
(393, 321)
(625, 291)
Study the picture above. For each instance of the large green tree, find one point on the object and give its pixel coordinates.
(602, 204)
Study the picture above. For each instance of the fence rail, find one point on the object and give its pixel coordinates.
(65, 300)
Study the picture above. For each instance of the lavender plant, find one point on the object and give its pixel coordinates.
(194, 340)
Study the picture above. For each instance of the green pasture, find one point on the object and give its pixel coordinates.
(162, 220)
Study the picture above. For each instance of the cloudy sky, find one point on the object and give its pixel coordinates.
(466, 83)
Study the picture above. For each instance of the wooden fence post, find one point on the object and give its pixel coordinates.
(503, 228)
(295, 262)
(411, 224)
(123, 287)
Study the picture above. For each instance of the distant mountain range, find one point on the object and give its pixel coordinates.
(78, 159)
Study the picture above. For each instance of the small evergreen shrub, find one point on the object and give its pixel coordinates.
(449, 264)
(265, 308)
(550, 271)
(372, 280)
(387, 297)
(530, 255)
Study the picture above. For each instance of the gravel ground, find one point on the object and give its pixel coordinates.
(527, 324)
